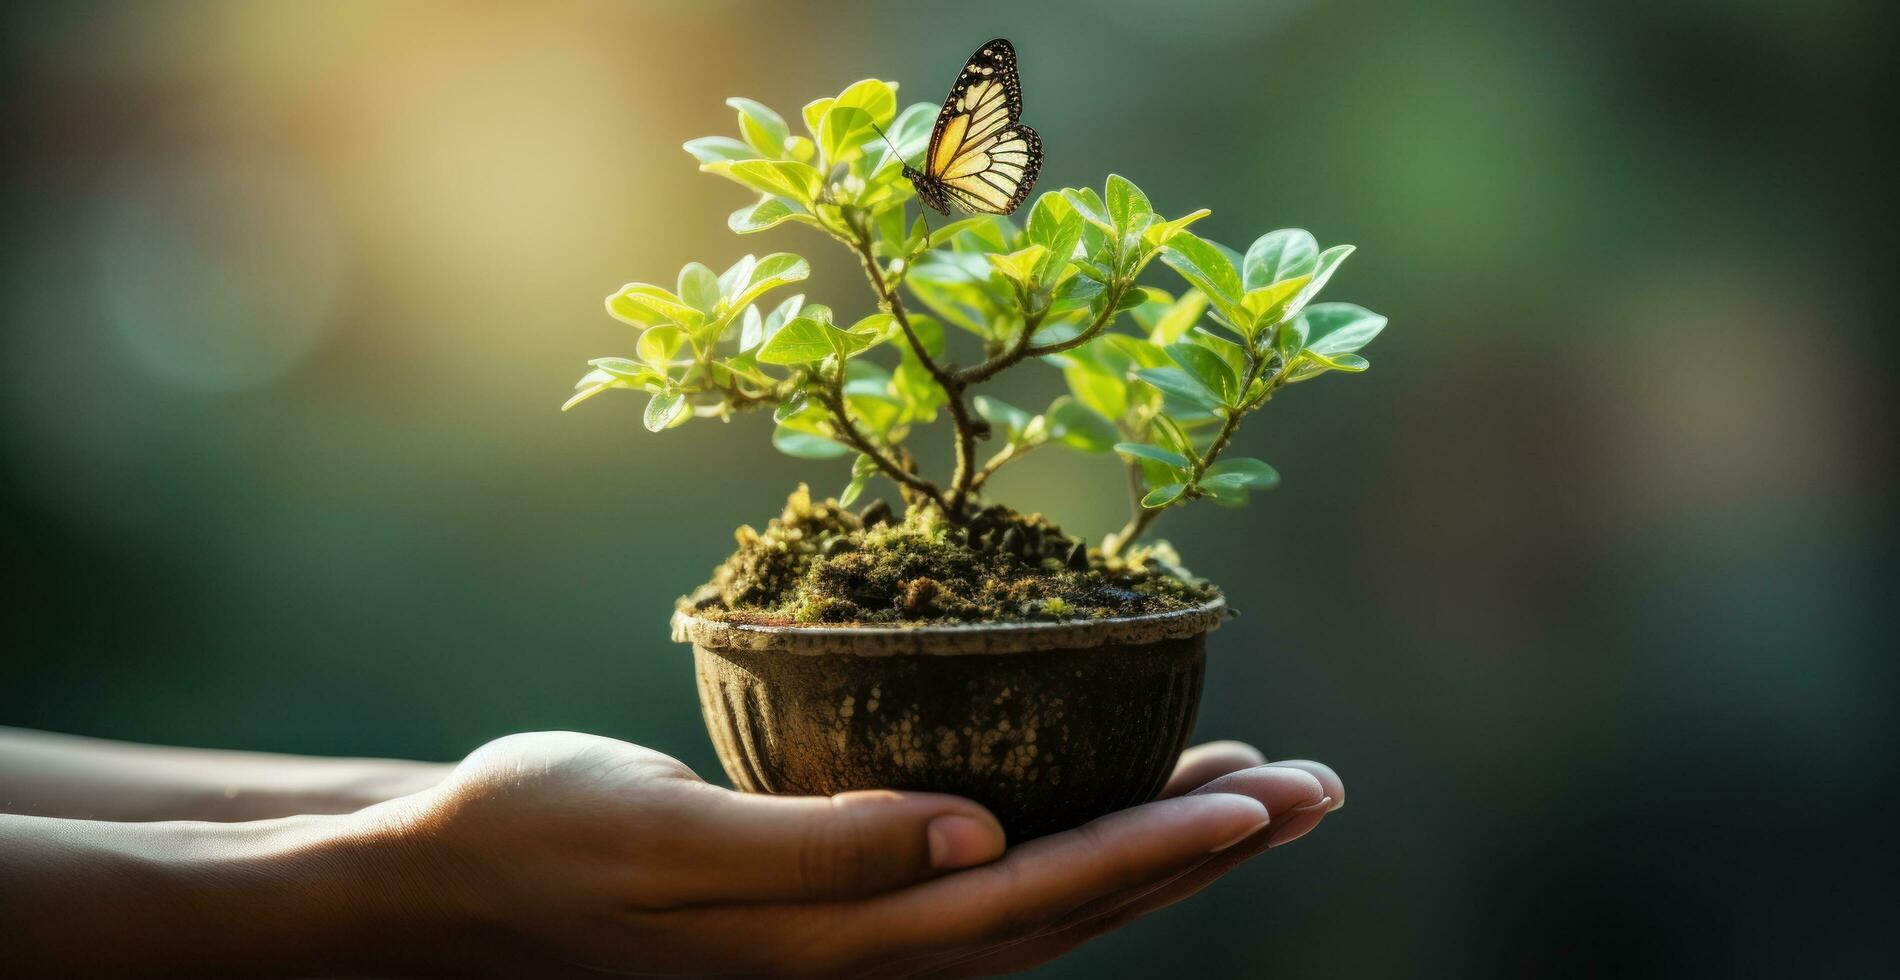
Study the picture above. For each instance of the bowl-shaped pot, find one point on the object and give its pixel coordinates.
(1049, 725)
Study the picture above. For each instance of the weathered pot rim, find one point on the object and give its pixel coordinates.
(949, 639)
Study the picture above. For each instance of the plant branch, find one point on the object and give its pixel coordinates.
(1022, 349)
(1144, 516)
(966, 428)
(832, 397)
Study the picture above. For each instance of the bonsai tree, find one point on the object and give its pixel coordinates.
(1161, 376)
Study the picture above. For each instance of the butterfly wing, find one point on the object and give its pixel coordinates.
(981, 156)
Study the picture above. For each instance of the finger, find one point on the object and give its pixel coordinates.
(1038, 883)
(1204, 763)
(1335, 787)
(1290, 794)
(743, 847)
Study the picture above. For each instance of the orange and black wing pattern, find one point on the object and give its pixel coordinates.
(981, 159)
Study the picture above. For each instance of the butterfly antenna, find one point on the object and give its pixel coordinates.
(899, 154)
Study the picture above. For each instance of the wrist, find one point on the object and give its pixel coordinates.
(335, 895)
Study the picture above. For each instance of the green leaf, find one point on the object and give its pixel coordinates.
(843, 131)
(717, 149)
(645, 305)
(1019, 266)
(767, 274)
(699, 287)
(630, 371)
(1162, 232)
(1006, 417)
(1290, 337)
(814, 113)
(1208, 269)
(1061, 247)
(784, 178)
(1182, 385)
(659, 344)
(1126, 203)
(665, 410)
(1163, 495)
(769, 212)
(1280, 255)
(877, 99)
(1207, 368)
(1142, 450)
(1329, 261)
(1241, 472)
(1090, 205)
(797, 404)
(805, 445)
(808, 338)
(764, 129)
(1078, 427)
(1269, 305)
(1340, 328)
(1105, 393)
(1175, 321)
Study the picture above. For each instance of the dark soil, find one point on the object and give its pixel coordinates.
(819, 563)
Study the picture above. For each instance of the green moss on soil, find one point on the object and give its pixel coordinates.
(819, 563)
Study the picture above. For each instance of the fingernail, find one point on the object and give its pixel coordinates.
(1297, 822)
(1249, 832)
(957, 841)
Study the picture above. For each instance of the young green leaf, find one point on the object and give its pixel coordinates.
(768, 212)
(843, 131)
(645, 305)
(767, 274)
(699, 287)
(717, 149)
(1208, 269)
(808, 338)
(1163, 495)
(665, 410)
(1126, 203)
(1207, 368)
(658, 345)
(1241, 472)
(1180, 384)
(1166, 457)
(805, 445)
(784, 178)
(1271, 304)
(1278, 256)
(762, 128)
(1340, 328)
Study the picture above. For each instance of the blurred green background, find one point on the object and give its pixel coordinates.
(1579, 588)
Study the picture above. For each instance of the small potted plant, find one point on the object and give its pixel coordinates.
(947, 642)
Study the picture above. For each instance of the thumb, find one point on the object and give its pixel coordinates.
(752, 847)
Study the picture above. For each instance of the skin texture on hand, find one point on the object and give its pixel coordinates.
(558, 854)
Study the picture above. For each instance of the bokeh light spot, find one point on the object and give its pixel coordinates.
(216, 275)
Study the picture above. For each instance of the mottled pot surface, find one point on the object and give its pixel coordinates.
(1047, 724)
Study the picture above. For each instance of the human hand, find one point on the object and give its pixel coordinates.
(557, 852)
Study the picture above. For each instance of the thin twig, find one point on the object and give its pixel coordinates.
(832, 397)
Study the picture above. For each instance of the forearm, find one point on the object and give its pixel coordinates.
(45, 774)
(295, 896)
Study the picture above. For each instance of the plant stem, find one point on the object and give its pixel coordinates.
(832, 397)
(1022, 349)
(1144, 516)
(965, 472)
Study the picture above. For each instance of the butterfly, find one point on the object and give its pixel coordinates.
(981, 158)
